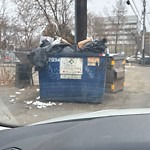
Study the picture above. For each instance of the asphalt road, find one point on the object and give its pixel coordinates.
(20, 106)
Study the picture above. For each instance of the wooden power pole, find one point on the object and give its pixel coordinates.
(80, 20)
(143, 33)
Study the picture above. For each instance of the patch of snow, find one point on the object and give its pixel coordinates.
(17, 92)
(43, 104)
(37, 90)
(12, 96)
(53, 103)
(12, 100)
(39, 106)
(38, 98)
(29, 102)
(22, 90)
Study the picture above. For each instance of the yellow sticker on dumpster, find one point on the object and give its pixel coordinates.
(92, 61)
(71, 68)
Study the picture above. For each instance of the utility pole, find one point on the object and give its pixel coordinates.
(80, 20)
(143, 33)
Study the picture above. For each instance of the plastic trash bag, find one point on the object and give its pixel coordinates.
(39, 57)
(96, 46)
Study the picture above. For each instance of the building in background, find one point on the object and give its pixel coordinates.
(122, 36)
(128, 35)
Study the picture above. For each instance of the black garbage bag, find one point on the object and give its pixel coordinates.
(57, 48)
(96, 46)
(45, 43)
(39, 57)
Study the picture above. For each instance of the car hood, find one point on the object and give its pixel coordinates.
(3, 128)
(91, 115)
(98, 114)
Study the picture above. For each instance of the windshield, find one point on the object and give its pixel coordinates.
(65, 57)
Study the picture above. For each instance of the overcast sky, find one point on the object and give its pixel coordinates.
(98, 7)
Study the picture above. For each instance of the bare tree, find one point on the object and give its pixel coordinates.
(58, 15)
(118, 19)
(27, 23)
(137, 42)
(3, 24)
(90, 24)
(96, 26)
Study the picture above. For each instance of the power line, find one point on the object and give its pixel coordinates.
(148, 12)
(128, 2)
(136, 8)
(143, 33)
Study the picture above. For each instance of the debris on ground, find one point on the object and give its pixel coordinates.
(43, 104)
(12, 101)
(29, 102)
(28, 107)
(18, 93)
(37, 90)
(22, 90)
(60, 103)
(12, 96)
(38, 97)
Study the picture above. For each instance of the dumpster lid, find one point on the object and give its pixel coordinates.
(120, 73)
(117, 56)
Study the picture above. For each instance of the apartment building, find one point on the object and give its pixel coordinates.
(128, 34)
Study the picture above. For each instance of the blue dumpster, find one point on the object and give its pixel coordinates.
(73, 78)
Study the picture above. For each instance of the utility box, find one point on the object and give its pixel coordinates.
(73, 78)
(115, 74)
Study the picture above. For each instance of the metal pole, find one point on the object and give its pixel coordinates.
(80, 20)
(143, 34)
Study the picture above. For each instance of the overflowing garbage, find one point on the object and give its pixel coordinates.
(39, 56)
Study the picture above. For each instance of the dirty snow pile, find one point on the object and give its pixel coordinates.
(40, 104)
(43, 105)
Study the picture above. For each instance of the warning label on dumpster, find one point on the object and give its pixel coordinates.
(92, 61)
(71, 68)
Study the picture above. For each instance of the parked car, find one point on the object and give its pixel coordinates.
(146, 60)
(132, 59)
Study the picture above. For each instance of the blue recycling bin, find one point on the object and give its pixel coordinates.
(73, 78)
